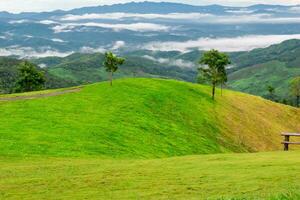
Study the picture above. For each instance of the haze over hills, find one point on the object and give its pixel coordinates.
(146, 26)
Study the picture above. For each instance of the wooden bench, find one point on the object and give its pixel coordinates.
(287, 142)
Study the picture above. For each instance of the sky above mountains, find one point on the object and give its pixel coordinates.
(16, 6)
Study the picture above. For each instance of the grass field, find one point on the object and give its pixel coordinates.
(226, 176)
(124, 142)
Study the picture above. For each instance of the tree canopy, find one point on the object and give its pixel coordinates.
(112, 63)
(29, 78)
(213, 68)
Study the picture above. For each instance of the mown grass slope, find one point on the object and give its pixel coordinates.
(143, 118)
(227, 176)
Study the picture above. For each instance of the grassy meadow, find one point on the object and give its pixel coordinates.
(223, 176)
(146, 139)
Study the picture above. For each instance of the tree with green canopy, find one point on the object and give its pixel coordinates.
(213, 70)
(295, 89)
(29, 78)
(112, 63)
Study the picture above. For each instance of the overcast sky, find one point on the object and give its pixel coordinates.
(47, 5)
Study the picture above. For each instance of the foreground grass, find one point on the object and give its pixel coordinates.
(226, 176)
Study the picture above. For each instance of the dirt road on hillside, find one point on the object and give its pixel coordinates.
(37, 96)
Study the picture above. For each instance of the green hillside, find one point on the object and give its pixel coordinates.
(287, 51)
(122, 142)
(142, 118)
(273, 66)
(87, 68)
(256, 79)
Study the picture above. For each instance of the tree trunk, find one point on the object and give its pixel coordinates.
(298, 101)
(213, 91)
(221, 89)
(111, 78)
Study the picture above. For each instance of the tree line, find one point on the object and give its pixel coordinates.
(294, 91)
(212, 71)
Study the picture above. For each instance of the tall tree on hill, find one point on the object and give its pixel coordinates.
(112, 63)
(29, 78)
(295, 89)
(214, 69)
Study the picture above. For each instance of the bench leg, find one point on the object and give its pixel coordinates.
(286, 145)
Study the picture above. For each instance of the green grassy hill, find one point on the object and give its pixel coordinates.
(143, 118)
(102, 142)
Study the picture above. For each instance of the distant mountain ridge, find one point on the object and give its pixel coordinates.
(145, 7)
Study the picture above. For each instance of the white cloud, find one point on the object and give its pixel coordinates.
(242, 16)
(63, 28)
(115, 46)
(58, 40)
(171, 62)
(241, 11)
(295, 9)
(42, 65)
(28, 52)
(243, 43)
(47, 22)
(19, 21)
(118, 45)
(251, 19)
(86, 49)
(6, 36)
(139, 27)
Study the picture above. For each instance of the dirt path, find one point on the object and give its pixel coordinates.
(37, 96)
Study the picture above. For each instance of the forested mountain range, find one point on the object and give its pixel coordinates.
(250, 72)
